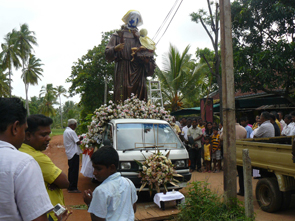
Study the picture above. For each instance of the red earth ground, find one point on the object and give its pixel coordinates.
(57, 153)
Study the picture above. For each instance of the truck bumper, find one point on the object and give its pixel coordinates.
(137, 181)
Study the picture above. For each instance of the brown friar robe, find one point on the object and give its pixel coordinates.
(130, 77)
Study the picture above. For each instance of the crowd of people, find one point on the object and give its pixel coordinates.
(203, 139)
(31, 184)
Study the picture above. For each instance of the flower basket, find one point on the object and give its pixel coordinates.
(157, 170)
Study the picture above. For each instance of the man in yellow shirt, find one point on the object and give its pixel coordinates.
(36, 140)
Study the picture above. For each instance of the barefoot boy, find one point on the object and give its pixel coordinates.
(216, 152)
(207, 153)
(115, 197)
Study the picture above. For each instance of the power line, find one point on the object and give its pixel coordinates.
(165, 20)
(169, 22)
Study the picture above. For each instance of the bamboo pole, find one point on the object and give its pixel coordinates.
(228, 102)
(249, 209)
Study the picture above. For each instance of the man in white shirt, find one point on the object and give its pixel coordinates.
(71, 142)
(22, 194)
(292, 132)
(289, 125)
(196, 148)
(281, 119)
(185, 129)
(266, 128)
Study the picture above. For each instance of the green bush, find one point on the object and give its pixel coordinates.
(202, 204)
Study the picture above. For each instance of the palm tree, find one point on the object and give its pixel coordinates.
(48, 100)
(68, 106)
(24, 40)
(9, 54)
(60, 90)
(181, 78)
(31, 74)
(4, 84)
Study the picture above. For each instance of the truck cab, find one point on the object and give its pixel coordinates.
(137, 139)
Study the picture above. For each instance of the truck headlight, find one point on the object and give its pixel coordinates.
(125, 165)
(179, 163)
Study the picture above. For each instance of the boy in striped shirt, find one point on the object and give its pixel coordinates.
(216, 150)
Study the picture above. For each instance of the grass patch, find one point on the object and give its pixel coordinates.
(55, 132)
(203, 204)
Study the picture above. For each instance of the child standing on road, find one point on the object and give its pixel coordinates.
(207, 153)
(216, 150)
(115, 197)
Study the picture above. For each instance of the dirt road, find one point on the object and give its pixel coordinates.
(57, 153)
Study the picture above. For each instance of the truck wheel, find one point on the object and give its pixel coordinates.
(268, 195)
(286, 200)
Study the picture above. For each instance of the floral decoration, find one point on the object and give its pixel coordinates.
(130, 108)
(157, 170)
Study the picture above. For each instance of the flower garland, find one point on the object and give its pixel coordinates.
(130, 108)
(157, 170)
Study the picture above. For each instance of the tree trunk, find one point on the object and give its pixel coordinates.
(9, 83)
(27, 100)
(61, 124)
(26, 89)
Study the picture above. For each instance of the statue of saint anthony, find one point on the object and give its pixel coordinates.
(134, 62)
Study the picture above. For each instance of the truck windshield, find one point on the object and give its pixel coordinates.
(140, 135)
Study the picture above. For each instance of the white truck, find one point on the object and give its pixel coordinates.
(135, 139)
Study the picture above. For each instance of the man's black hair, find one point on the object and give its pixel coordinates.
(292, 113)
(37, 120)
(243, 119)
(11, 110)
(266, 115)
(275, 114)
(106, 156)
(272, 117)
(195, 119)
(288, 116)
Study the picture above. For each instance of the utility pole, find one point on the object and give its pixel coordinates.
(228, 103)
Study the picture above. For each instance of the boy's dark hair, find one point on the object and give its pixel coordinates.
(215, 128)
(207, 138)
(106, 156)
(11, 110)
(36, 120)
